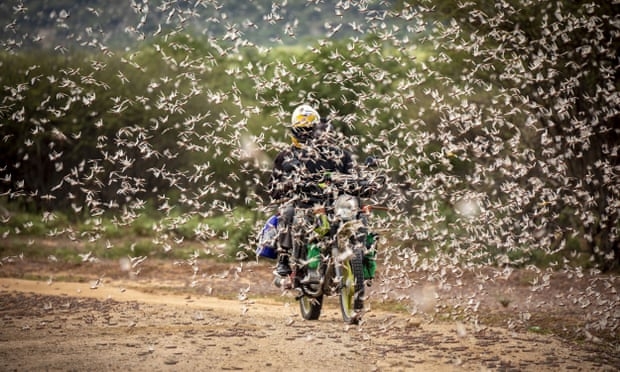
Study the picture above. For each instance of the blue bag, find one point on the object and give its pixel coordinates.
(266, 240)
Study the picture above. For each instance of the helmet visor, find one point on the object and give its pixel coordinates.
(305, 119)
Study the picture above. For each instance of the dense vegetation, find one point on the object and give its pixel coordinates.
(174, 110)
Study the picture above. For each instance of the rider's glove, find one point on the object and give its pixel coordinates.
(327, 176)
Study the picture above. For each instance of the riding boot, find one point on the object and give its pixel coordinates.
(283, 268)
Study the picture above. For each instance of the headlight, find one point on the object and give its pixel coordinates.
(346, 207)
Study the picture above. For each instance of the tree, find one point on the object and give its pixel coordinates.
(546, 143)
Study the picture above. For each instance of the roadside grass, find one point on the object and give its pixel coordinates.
(392, 306)
(225, 236)
(54, 236)
(64, 250)
(59, 278)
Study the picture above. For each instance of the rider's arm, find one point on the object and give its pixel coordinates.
(283, 176)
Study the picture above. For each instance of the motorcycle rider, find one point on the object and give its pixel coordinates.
(306, 164)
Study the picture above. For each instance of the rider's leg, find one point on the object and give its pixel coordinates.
(285, 241)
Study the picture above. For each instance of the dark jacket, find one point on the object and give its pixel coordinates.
(308, 164)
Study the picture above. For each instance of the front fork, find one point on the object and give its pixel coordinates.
(342, 250)
(337, 266)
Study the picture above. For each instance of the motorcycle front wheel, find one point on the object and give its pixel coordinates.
(311, 307)
(352, 288)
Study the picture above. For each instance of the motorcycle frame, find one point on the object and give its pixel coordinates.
(338, 239)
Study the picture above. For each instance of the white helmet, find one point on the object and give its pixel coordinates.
(303, 121)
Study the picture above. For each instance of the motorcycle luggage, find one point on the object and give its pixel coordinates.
(370, 258)
(313, 256)
(266, 241)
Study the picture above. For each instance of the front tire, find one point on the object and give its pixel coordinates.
(352, 288)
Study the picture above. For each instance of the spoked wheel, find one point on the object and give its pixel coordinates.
(352, 291)
(311, 307)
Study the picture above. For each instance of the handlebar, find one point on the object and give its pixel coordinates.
(362, 187)
(317, 189)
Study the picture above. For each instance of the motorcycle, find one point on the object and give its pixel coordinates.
(333, 250)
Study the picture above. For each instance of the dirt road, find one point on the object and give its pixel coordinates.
(115, 323)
